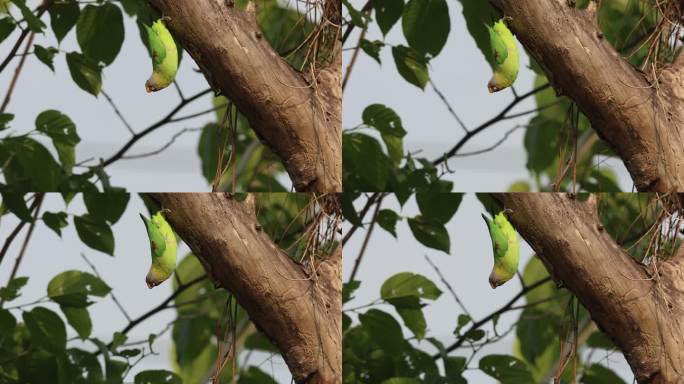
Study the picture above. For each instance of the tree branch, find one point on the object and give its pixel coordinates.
(296, 115)
(299, 311)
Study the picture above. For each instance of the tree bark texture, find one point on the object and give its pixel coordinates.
(642, 312)
(299, 119)
(299, 313)
(642, 121)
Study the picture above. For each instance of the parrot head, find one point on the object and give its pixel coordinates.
(497, 278)
(154, 277)
(155, 83)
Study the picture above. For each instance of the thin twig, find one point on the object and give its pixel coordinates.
(111, 293)
(17, 71)
(20, 257)
(357, 262)
(14, 233)
(449, 287)
(119, 154)
(448, 106)
(118, 113)
(492, 315)
(13, 52)
(355, 55)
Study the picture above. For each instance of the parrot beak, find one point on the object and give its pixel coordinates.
(494, 281)
(486, 219)
(144, 219)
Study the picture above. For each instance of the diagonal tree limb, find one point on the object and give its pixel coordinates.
(641, 121)
(642, 313)
(301, 314)
(299, 119)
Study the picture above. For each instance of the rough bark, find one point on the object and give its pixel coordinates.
(643, 314)
(298, 119)
(301, 315)
(642, 122)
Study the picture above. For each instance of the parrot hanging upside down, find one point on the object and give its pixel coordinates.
(506, 249)
(163, 245)
(506, 59)
(164, 57)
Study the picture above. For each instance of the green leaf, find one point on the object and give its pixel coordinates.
(387, 13)
(384, 330)
(79, 319)
(477, 14)
(537, 331)
(395, 147)
(118, 339)
(430, 234)
(32, 163)
(11, 291)
(207, 149)
(107, 206)
(372, 48)
(46, 55)
(58, 126)
(507, 369)
(7, 26)
(100, 32)
(401, 380)
(7, 324)
(598, 374)
(33, 22)
(47, 329)
(387, 220)
(348, 290)
(348, 209)
(257, 341)
(62, 130)
(85, 72)
(55, 221)
(5, 119)
(86, 365)
(63, 17)
(254, 375)
(439, 207)
(410, 310)
(358, 152)
(157, 377)
(97, 235)
(426, 25)
(599, 339)
(17, 205)
(384, 119)
(408, 284)
(191, 336)
(412, 66)
(72, 288)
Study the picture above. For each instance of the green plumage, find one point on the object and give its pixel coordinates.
(163, 248)
(506, 248)
(164, 54)
(505, 57)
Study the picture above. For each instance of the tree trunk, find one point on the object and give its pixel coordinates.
(300, 313)
(639, 119)
(642, 312)
(298, 119)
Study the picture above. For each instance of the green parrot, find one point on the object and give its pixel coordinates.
(506, 59)
(164, 57)
(163, 245)
(506, 249)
